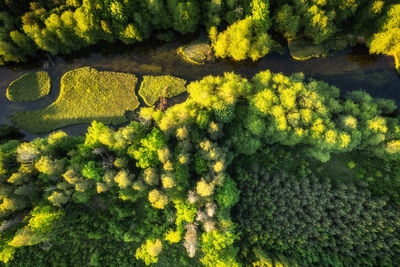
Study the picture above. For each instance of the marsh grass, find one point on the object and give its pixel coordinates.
(155, 87)
(302, 50)
(196, 53)
(86, 95)
(29, 87)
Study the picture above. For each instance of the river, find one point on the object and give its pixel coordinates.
(351, 69)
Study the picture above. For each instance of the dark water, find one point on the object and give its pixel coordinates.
(351, 69)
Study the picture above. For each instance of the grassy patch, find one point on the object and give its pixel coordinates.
(302, 50)
(29, 87)
(196, 53)
(86, 95)
(154, 87)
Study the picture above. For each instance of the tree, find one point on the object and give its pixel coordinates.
(173, 236)
(185, 15)
(146, 155)
(18, 178)
(387, 40)
(242, 40)
(50, 167)
(158, 199)
(190, 242)
(163, 154)
(149, 251)
(204, 189)
(260, 15)
(7, 254)
(214, 11)
(12, 204)
(25, 237)
(246, 38)
(91, 171)
(43, 219)
(159, 14)
(123, 179)
(217, 248)
(168, 181)
(287, 22)
(151, 176)
(23, 42)
(58, 199)
(131, 34)
(228, 194)
(87, 24)
(27, 152)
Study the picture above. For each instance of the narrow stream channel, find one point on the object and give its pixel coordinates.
(352, 69)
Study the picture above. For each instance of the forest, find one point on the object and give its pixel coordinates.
(270, 170)
(238, 29)
(218, 180)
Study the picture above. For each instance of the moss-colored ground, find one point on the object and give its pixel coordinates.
(302, 50)
(196, 53)
(29, 87)
(86, 95)
(154, 87)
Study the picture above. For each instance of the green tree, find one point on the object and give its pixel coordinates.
(123, 179)
(146, 155)
(43, 219)
(387, 40)
(287, 22)
(58, 199)
(185, 15)
(149, 252)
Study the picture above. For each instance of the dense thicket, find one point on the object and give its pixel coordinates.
(161, 189)
(238, 29)
(310, 221)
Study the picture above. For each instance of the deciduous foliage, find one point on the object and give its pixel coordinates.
(162, 189)
(244, 26)
(246, 38)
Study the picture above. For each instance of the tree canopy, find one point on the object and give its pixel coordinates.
(244, 172)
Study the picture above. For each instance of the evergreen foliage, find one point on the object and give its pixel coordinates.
(315, 222)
